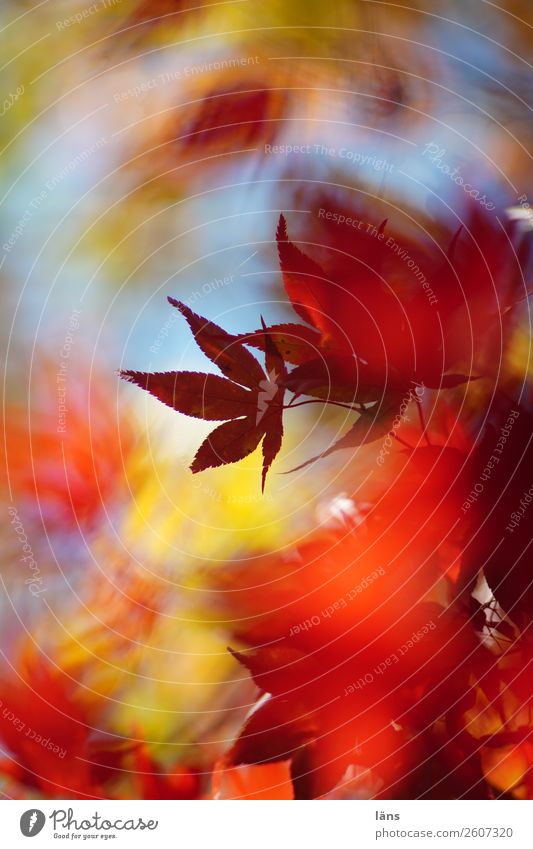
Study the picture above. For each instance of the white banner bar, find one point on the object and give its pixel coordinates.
(269, 825)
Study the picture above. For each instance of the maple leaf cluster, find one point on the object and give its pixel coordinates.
(391, 652)
(391, 656)
(365, 344)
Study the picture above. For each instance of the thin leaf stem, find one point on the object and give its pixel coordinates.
(423, 424)
(355, 409)
(400, 440)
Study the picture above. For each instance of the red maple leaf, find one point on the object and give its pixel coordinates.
(249, 400)
(358, 316)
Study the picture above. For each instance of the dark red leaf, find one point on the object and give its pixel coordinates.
(372, 424)
(448, 381)
(271, 447)
(225, 350)
(273, 668)
(295, 342)
(273, 732)
(506, 630)
(304, 281)
(228, 443)
(273, 419)
(274, 363)
(318, 767)
(204, 396)
(345, 379)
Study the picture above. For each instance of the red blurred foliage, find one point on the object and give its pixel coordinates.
(362, 669)
(46, 723)
(232, 118)
(155, 783)
(49, 723)
(258, 782)
(222, 115)
(68, 467)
